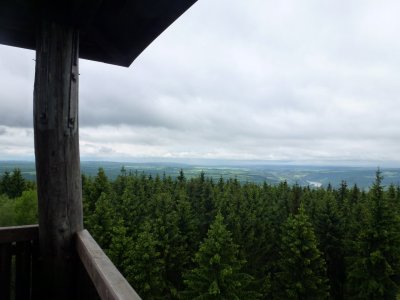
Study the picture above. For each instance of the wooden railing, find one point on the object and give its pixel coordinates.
(108, 281)
(18, 257)
(98, 278)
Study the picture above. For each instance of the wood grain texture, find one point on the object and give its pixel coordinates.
(109, 282)
(57, 156)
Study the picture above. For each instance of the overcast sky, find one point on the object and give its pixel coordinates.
(231, 79)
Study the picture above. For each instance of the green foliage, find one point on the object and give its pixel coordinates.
(145, 266)
(229, 240)
(302, 269)
(20, 210)
(120, 245)
(374, 271)
(102, 222)
(12, 184)
(217, 274)
(329, 229)
(5, 184)
(26, 208)
(7, 211)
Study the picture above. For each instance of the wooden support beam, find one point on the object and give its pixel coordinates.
(57, 157)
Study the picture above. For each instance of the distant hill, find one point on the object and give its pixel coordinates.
(303, 175)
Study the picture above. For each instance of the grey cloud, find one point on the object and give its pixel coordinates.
(16, 86)
(262, 79)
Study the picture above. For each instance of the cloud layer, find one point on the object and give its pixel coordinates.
(308, 80)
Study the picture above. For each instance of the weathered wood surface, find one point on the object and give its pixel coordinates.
(19, 233)
(109, 282)
(57, 157)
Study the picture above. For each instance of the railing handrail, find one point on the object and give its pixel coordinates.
(19, 233)
(108, 281)
(18, 256)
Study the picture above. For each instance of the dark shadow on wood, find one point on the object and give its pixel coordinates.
(96, 276)
(18, 254)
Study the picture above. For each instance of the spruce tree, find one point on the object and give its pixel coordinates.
(102, 221)
(392, 198)
(187, 226)
(145, 267)
(302, 269)
(18, 184)
(181, 178)
(120, 245)
(374, 271)
(173, 244)
(5, 183)
(218, 272)
(100, 185)
(12, 184)
(330, 232)
(120, 182)
(342, 192)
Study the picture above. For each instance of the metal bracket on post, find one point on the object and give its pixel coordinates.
(72, 118)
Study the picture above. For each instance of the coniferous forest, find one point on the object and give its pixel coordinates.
(204, 239)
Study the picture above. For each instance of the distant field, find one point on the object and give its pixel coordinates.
(302, 175)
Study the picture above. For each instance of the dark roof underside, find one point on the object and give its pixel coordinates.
(111, 31)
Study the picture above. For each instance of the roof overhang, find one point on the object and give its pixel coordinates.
(111, 31)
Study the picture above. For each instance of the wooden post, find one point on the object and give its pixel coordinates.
(57, 157)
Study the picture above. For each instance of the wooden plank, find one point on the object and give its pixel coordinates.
(19, 233)
(109, 282)
(57, 157)
(5, 271)
(23, 271)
